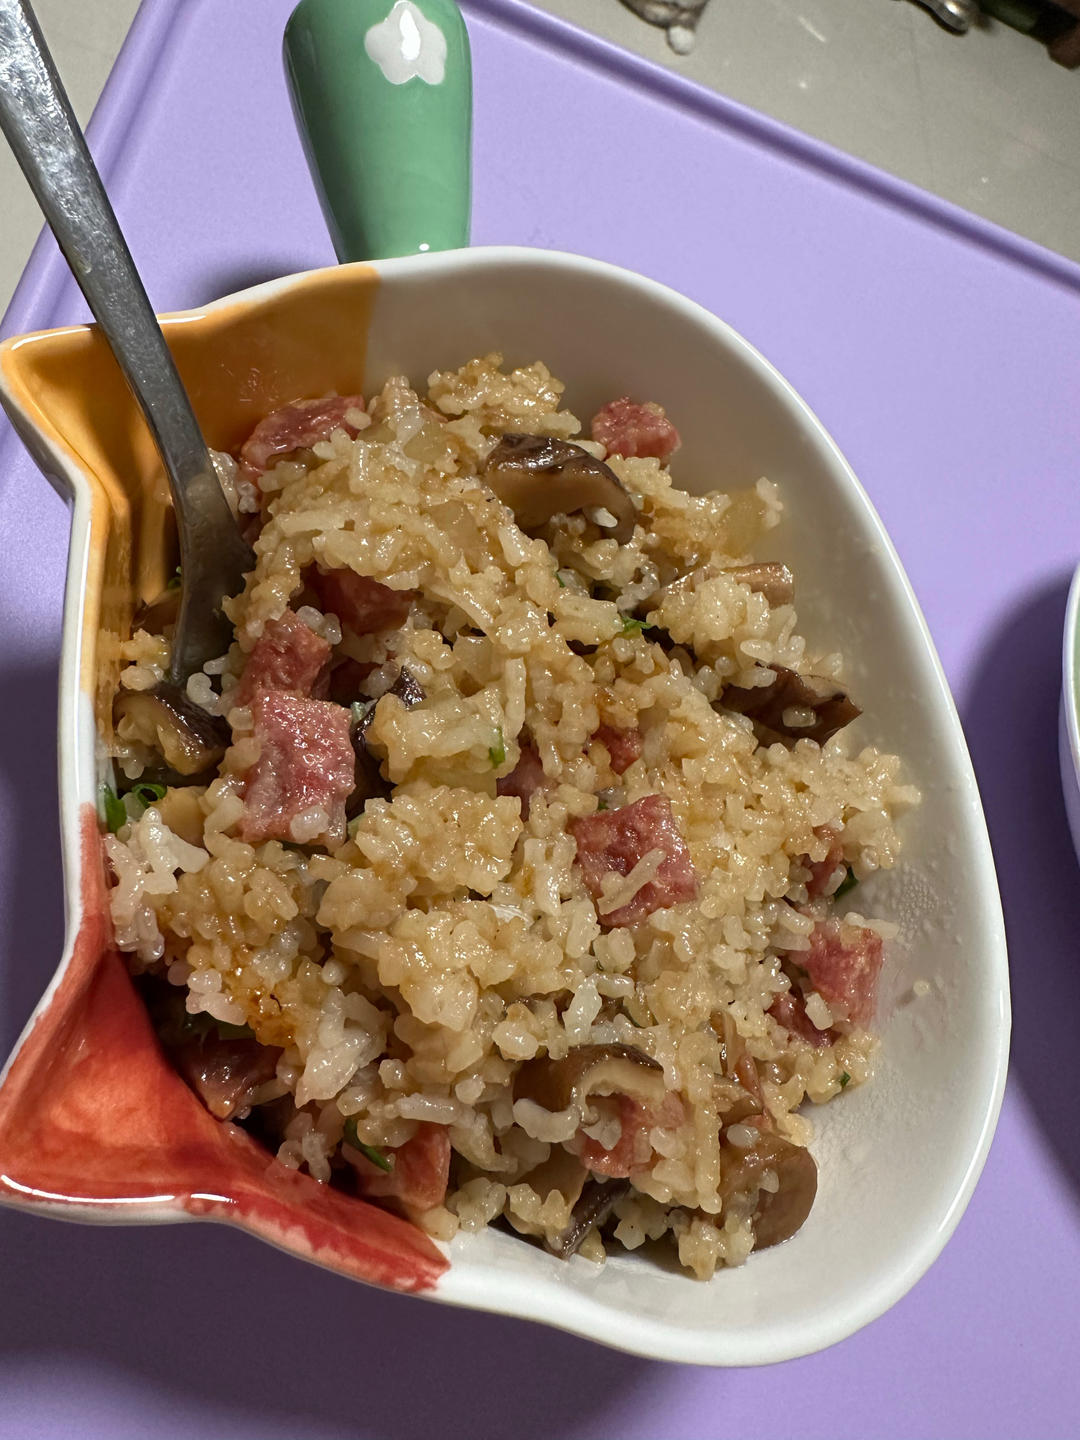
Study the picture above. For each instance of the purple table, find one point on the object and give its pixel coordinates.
(945, 358)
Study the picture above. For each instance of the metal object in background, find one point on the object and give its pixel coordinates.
(958, 15)
(1054, 23)
(41, 128)
(678, 17)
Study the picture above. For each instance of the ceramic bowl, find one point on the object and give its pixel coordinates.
(1069, 728)
(92, 1123)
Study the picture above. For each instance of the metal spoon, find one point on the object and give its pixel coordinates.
(36, 117)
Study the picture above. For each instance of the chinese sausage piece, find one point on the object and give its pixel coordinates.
(612, 842)
(295, 427)
(626, 427)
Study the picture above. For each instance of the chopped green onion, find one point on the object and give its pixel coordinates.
(630, 626)
(146, 794)
(384, 1162)
(497, 752)
(562, 582)
(601, 804)
(115, 810)
(175, 582)
(848, 883)
(845, 1079)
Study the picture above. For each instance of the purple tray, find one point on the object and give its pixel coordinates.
(944, 356)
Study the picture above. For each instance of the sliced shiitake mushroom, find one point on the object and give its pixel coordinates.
(768, 578)
(826, 706)
(369, 782)
(591, 1200)
(407, 689)
(781, 1212)
(587, 1070)
(539, 477)
(598, 1199)
(561, 1171)
(743, 1109)
(190, 740)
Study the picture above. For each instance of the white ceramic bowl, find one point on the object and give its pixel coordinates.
(1069, 727)
(899, 1158)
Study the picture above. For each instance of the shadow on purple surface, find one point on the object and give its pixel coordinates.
(229, 282)
(1011, 718)
(237, 1330)
(33, 899)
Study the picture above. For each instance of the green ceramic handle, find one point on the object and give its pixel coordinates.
(382, 91)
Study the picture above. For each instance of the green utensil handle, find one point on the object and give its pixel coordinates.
(382, 92)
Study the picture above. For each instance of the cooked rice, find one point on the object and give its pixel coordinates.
(410, 971)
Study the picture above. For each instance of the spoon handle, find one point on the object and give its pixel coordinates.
(382, 92)
(37, 119)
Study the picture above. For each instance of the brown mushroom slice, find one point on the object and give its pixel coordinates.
(369, 783)
(781, 1212)
(743, 1107)
(539, 477)
(189, 739)
(826, 706)
(768, 578)
(561, 1171)
(556, 1085)
(597, 1200)
(746, 1072)
(407, 689)
(591, 1201)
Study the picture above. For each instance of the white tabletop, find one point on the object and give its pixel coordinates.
(984, 119)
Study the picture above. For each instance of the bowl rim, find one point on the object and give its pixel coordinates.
(470, 1284)
(1069, 737)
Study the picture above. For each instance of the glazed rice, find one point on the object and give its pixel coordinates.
(409, 971)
